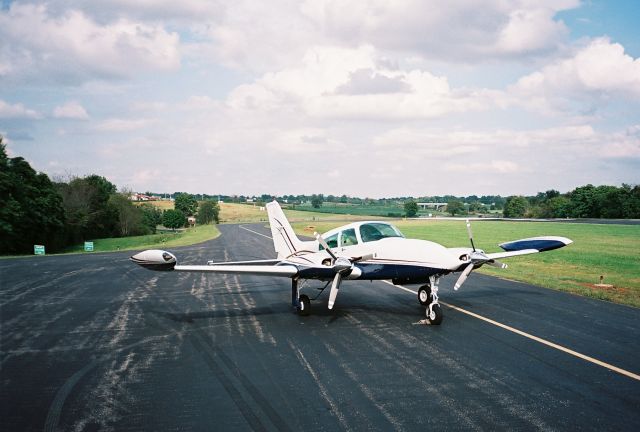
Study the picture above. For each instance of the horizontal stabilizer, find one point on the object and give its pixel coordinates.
(540, 244)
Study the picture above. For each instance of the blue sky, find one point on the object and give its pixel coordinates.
(362, 97)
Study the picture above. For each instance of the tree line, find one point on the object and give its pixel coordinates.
(588, 201)
(58, 214)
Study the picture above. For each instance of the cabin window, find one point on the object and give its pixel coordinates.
(348, 237)
(332, 242)
(376, 231)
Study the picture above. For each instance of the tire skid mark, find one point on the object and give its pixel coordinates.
(237, 385)
(55, 409)
(110, 395)
(368, 393)
(49, 283)
(335, 410)
(477, 383)
(439, 397)
(247, 413)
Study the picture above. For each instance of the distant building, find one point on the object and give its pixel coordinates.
(142, 197)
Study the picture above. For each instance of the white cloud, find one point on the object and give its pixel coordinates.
(16, 111)
(598, 70)
(73, 47)
(71, 110)
(123, 125)
(334, 82)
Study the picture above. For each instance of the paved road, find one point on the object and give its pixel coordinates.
(93, 342)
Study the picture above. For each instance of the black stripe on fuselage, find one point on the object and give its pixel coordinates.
(286, 237)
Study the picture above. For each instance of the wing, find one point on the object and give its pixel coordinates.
(165, 261)
(530, 246)
(284, 270)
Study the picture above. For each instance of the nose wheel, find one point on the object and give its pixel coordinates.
(424, 295)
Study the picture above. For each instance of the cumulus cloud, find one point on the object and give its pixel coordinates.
(333, 82)
(601, 69)
(70, 110)
(16, 111)
(73, 47)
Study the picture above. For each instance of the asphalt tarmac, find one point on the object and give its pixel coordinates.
(94, 342)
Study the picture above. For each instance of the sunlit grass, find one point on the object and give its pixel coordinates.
(153, 241)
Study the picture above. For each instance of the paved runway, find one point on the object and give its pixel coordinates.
(94, 342)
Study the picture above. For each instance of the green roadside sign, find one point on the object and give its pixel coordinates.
(38, 249)
(88, 246)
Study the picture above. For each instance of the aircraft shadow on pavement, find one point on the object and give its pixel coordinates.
(319, 311)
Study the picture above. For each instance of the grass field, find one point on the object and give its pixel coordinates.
(166, 240)
(236, 213)
(609, 250)
(162, 205)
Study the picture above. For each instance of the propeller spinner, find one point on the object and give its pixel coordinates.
(478, 258)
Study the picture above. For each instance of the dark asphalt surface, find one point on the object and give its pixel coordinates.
(94, 342)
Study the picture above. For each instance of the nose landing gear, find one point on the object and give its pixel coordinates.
(428, 297)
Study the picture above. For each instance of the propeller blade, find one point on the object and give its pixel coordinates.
(470, 235)
(324, 245)
(335, 286)
(498, 264)
(463, 276)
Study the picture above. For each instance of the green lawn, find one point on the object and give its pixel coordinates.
(609, 250)
(153, 241)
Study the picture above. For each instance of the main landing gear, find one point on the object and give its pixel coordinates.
(301, 302)
(428, 297)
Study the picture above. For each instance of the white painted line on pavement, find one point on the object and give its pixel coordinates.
(532, 337)
(255, 232)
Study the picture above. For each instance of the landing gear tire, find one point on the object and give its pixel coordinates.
(424, 295)
(435, 318)
(305, 305)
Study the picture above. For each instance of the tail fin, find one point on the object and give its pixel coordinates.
(285, 241)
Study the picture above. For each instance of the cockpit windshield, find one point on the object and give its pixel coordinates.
(376, 231)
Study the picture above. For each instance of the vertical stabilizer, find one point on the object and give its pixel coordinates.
(285, 241)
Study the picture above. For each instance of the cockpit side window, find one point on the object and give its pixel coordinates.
(332, 242)
(348, 237)
(376, 231)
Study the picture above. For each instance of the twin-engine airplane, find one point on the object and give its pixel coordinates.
(359, 251)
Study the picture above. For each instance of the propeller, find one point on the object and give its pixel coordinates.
(341, 265)
(478, 258)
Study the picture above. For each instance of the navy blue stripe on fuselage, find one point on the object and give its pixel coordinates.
(375, 271)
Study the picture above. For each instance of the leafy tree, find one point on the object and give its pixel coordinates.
(557, 207)
(208, 212)
(129, 216)
(151, 217)
(410, 208)
(186, 203)
(87, 210)
(173, 219)
(316, 201)
(455, 207)
(30, 208)
(515, 207)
